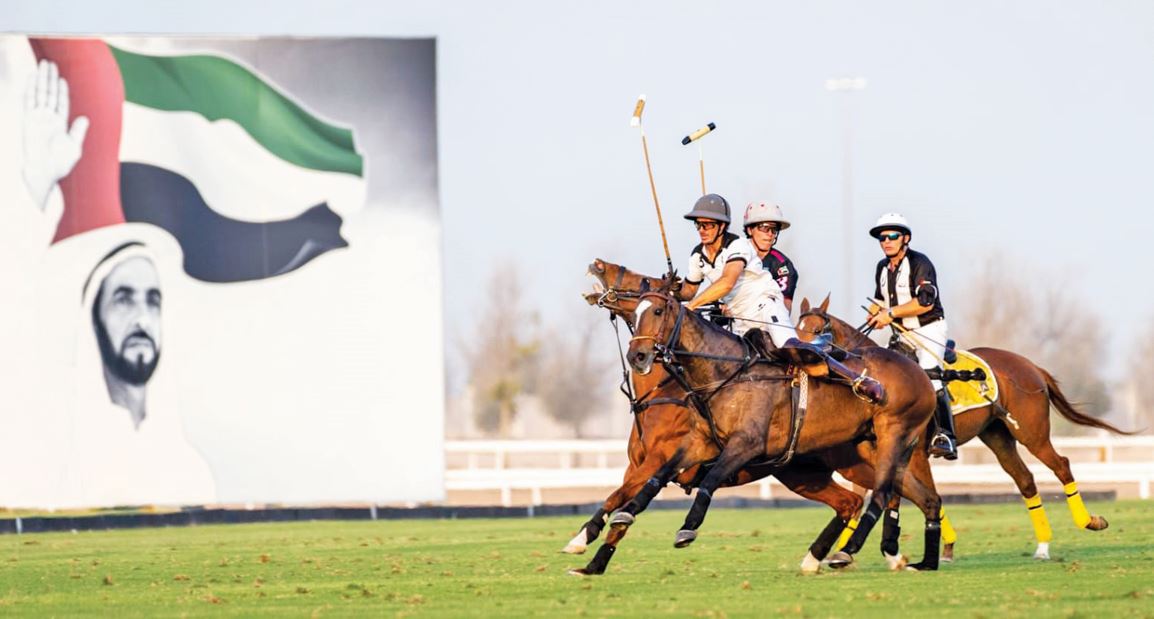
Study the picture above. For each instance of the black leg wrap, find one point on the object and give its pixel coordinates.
(601, 559)
(826, 539)
(891, 531)
(641, 501)
(697, 512)
(933, 547)
(594, 526)
(865, 525)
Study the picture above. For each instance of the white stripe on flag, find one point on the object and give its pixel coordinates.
(237, 177)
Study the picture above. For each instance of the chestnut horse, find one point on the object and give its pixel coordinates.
(664, 419)
(1026, 392)
(748, 406)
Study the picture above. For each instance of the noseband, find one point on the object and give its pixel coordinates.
(663, 349)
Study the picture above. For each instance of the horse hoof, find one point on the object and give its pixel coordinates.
(921, 566)
(948, 553)
(840, 560)
(684, 538)
(580, 571)
(810, 564)
(1097, 523)
(573, 549)
(622, 519)
(896, 562)
(1043, 551)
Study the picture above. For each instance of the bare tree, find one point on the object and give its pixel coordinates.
(1024, 312)
(502, 354)
(1139, 386)
(577, 377)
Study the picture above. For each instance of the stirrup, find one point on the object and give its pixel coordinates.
(944, 446)
(871, 390)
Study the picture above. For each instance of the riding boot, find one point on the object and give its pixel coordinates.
(945, 444)
(863, 386)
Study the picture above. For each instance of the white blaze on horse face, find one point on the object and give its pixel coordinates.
(644, 305)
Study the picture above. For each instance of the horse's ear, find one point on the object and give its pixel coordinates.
(825, 304)
(804, 304)
(644, 285)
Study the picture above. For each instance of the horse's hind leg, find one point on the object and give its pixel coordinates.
(1043, 450)
(917, 485)
(738, 451)
(895, 444)
(818, 485)
(1001, 441)
(621, 521)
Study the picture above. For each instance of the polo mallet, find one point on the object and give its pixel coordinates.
(636, 122)
(694, 137)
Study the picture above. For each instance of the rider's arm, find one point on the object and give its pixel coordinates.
(722, 286)
(687, 291)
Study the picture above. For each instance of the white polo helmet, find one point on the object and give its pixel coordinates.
(891, 221)
(761, 212)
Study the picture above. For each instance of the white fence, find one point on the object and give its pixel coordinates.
(539, 466)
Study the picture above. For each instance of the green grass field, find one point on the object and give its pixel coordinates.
(744, 564)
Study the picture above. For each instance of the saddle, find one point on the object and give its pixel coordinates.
(820, 362)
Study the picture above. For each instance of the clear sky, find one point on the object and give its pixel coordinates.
(1025, 128)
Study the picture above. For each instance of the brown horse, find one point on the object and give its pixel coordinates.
(664, 420)
(1026, 392)
(750, 419)
(663, 417)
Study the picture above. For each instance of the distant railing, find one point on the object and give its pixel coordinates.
(539, 465)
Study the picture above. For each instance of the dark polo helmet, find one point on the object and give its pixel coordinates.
(710, 206)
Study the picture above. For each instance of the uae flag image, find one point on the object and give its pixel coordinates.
(250, 182)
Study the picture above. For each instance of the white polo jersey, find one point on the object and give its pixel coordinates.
(753, 288)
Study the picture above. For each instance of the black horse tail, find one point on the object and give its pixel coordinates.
(1071, 412)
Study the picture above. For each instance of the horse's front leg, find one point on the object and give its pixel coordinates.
(620, 522)
(818, 485)
(591, 530)
(739, 450)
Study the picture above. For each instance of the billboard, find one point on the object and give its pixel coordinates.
(220, 260)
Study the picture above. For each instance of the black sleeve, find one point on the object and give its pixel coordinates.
(878, 281)
(791, 282)
(924, 281)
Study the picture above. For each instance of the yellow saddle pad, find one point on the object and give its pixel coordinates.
(967, 395)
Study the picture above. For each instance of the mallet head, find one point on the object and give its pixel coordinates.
(637, 110)
(697, 135)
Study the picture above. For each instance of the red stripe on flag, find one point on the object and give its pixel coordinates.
(92, 190)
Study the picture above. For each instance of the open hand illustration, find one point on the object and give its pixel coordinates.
(51, 148)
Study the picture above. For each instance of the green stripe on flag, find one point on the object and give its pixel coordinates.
(217, 89)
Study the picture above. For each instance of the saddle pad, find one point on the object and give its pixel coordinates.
(967, 395)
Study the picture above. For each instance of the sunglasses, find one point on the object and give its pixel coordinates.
(705, 225)
(890, 236)
(765, 227)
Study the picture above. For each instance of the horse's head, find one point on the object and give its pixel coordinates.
(619, 290)
(658, 320)
(814, 321)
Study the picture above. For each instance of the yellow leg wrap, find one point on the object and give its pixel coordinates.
(1038, 518)
(843, 539)
(949, 535)
(1077, 507)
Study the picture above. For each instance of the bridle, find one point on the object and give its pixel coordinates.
(826, 325)
(613, 293)
(826, 328)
